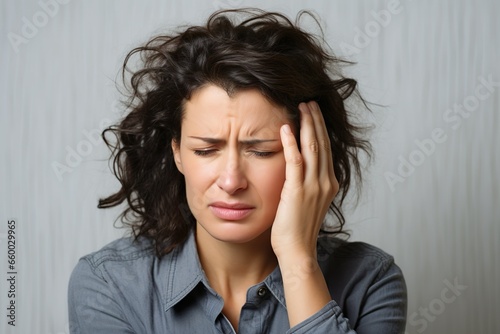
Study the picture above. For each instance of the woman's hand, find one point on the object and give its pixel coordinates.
(309, 188)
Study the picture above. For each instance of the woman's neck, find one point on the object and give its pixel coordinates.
(234, 267)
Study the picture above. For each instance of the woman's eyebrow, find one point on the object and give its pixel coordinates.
(248, 142)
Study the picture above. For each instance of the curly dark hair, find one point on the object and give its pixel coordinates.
(262, 50)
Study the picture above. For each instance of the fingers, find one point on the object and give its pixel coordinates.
(315, 142)
(308, 141)
(294, 173)
(313, 163)
(325, 157)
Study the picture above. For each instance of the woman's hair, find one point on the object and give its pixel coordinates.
(263, 51)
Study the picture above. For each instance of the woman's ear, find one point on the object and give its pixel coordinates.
(177, 155)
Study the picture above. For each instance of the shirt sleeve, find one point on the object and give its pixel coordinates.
(327, 320)
(92, 306)
(383, 310)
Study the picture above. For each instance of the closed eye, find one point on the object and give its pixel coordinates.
(262, 154)
(204, 153)
(211, 151)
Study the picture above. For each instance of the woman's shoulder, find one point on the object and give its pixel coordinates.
(351, 259)
(121, 284)
(122, 250)
(121, 258)
(362, 277)
(329, 246)
(119, 267)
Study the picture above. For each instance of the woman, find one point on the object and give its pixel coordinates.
(236, 146)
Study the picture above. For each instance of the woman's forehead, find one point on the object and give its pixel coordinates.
(211, 106)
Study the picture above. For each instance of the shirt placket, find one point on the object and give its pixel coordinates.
(251, 316)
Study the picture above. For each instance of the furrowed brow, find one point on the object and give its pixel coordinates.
(248, 142)
(251, 142)
(209, 140)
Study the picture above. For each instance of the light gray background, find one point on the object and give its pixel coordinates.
(441, 222)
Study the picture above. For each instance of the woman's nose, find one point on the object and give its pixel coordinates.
(232, 178)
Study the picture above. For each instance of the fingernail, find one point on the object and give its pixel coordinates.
(304, 107)
(286, 129)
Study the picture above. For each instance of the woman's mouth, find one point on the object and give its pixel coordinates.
(231, 211)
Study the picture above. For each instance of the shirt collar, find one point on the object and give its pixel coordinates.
(183, 272)
(274, 283)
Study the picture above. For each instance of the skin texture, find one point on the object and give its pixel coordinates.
(240, 150)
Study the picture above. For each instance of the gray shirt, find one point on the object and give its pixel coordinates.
(125, 288)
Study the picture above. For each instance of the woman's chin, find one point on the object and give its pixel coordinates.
(234, 232)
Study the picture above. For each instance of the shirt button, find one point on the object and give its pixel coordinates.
(262, 292)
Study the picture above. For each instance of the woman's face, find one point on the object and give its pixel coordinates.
(231, 156)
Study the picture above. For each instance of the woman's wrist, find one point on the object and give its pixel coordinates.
(305, 288)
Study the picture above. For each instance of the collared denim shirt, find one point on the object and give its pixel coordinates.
(125, 288)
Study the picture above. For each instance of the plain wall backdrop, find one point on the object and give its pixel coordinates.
(431, 198)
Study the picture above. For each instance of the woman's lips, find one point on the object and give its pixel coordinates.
(227, 211)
